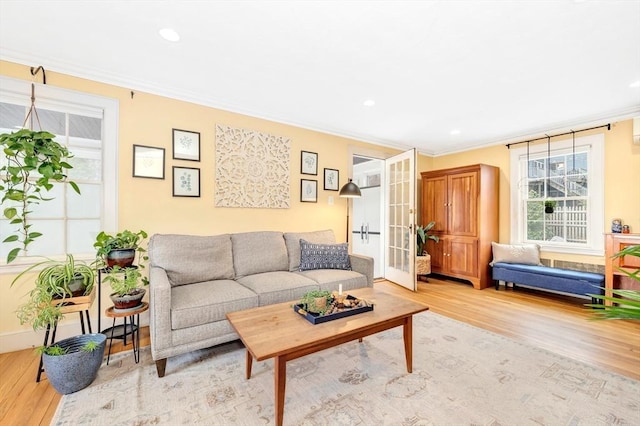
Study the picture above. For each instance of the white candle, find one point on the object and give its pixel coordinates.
(339, 289)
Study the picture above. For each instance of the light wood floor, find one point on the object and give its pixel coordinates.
(559, 324)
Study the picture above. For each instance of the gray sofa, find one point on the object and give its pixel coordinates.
(196, 280)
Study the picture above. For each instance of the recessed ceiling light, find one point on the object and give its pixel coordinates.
(455, 132)
(635, 84)
(369, 103)
(169, 34)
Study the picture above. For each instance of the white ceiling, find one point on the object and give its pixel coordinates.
(497, 71)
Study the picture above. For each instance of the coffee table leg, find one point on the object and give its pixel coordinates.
(280, 379)
(408, 342)
(249, 364)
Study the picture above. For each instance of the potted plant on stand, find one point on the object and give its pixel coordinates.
(126, 284)
(120, 249)
(423, 259)
(70, 364)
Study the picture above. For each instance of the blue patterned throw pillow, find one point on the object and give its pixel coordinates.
(324, 256)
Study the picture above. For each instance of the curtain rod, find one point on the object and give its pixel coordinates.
(608, 126)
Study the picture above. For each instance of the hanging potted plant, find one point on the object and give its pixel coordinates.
(126, 284)
(120, 249)
(549, 206)
(33, 162)
(423, 259)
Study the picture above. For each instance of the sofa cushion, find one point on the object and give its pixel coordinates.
(192, 258)
(525, 254)
(206, 302)
(324, 256)
(257, 252)
(330, 279)
(278, 287)
(292, 239)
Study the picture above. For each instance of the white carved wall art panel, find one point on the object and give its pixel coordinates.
(252, 169)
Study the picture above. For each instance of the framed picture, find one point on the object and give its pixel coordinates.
(148, 162)
(186, 182)
(308, 191)
(186, 145)
(309, 163)
(331, 179)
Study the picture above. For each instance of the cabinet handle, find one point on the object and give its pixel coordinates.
(366, 230)
(361, 237)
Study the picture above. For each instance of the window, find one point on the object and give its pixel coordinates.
(571, 181)
(87, 125)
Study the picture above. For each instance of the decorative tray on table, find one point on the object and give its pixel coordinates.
(337, 307)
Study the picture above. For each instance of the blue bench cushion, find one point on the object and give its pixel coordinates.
(544, 277)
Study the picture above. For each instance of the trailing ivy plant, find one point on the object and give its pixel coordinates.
(33, 161)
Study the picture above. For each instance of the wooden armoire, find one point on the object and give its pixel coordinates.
(463, 201)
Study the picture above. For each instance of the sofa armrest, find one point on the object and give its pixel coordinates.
(159, 310)
(364, 265)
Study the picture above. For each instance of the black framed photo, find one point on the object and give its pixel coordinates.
(186, 145)
(186, 182)
(309, 163)
(148, 162)
(308, 191)
(331, 179)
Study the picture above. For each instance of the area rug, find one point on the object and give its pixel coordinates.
(462, 375)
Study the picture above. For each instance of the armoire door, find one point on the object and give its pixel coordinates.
(434, 203)
(462, 203)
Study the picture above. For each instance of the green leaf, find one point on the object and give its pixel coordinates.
(12, 255)
(75, 187)
(10, 212)
(10, 239)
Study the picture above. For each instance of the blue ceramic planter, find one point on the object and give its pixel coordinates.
(76, 369)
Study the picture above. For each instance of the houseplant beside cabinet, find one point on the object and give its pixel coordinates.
(423, 260)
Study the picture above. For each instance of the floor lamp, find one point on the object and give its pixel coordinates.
(350, 190)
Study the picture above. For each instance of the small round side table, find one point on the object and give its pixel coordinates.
(124, 330)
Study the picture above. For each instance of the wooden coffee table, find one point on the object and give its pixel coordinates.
(276, 331)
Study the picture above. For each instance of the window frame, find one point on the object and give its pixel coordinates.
(594, 145)
(70, 101)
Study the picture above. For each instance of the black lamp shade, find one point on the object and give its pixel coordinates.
(350, 190)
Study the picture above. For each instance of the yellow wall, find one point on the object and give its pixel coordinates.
(148, 204)
(621, 174)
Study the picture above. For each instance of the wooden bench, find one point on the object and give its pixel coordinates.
(564, 281)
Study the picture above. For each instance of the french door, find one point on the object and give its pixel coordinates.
(400, 217)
